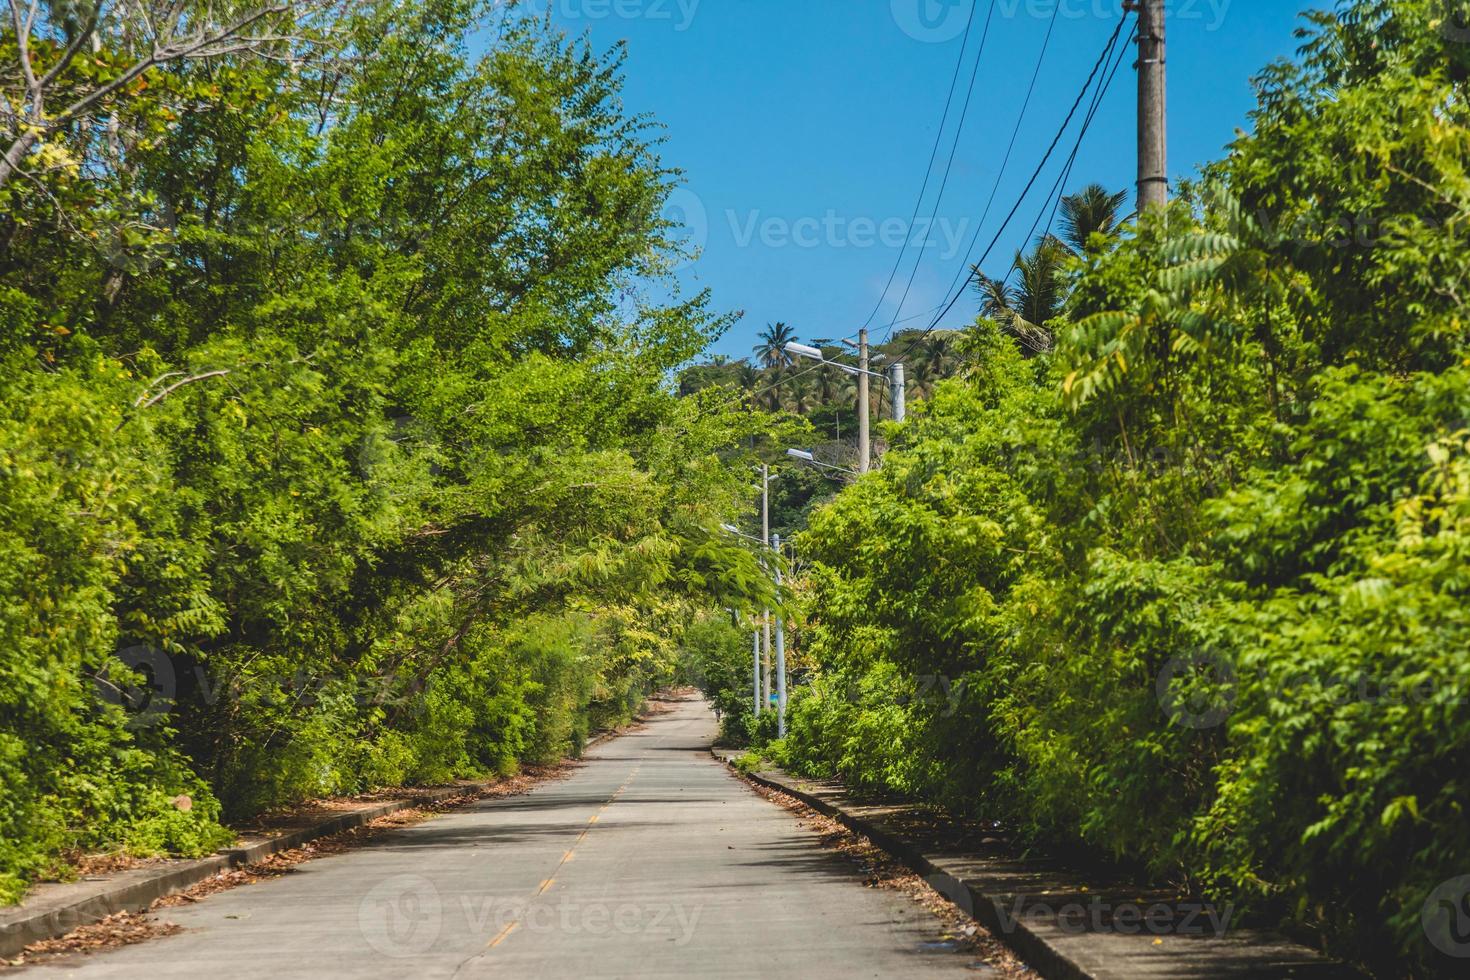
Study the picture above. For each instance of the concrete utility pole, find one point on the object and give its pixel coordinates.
(896, 393)
(766, 621)
(865, 445)
(755, 682)
(1153, 132)
(780, 646)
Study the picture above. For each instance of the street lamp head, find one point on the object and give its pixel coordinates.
(801, 454)
(802, 350)
(730, 528)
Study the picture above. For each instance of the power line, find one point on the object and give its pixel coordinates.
(1103, 58)
(1066, 174)
(929, 168)
(948, 166)
(1010, 147)
(1107, 57)
(1098, 96)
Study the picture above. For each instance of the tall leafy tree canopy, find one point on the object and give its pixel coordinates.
(339, 448)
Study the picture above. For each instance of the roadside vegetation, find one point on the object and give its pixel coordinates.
(1176, 571)
(344, 444)
(337, 446)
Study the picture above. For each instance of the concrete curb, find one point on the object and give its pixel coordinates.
(61, 908)
(1047, 943)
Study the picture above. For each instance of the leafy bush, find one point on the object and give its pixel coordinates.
(1193, 582)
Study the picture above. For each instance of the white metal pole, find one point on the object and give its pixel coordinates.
(780, 648)
(755, 636)
(766, 620)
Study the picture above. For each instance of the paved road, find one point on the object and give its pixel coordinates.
(650, 860)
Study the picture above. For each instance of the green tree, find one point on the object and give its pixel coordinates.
(772, 347)
(1036, 299)
(1091, 211)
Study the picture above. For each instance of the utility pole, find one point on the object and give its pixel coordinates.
(1153, 133)
(755, 635)
(780, 645)
(896, 391)
(766, 622)
(865, 447)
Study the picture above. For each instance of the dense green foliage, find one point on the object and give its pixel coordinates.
(1190, 589)
(337, 445)
(720, 662)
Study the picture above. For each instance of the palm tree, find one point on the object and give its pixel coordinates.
(934, 361)
(773, 381)
(1091, 211)
(997, 298)
(802, 391)
(826, 386)
(747, 375)
(940, 352)
(772, 347)
(1035, 299)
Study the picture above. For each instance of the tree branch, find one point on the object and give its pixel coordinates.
(169, 391)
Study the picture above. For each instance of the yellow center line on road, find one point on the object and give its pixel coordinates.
(546, 885)
(503, 933)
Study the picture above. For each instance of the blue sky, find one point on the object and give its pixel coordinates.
(803, 128)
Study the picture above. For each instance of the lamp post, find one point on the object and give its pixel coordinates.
(766, 536)
(894, 378)
(806, 457)
(780, 647)
(764, 623)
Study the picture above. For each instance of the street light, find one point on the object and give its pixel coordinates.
(807, 457)
(894, 377)
(764, 624)
(780, 647)
(775, 568)
(802, 350)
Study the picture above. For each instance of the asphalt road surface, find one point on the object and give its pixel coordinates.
(651, 860)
